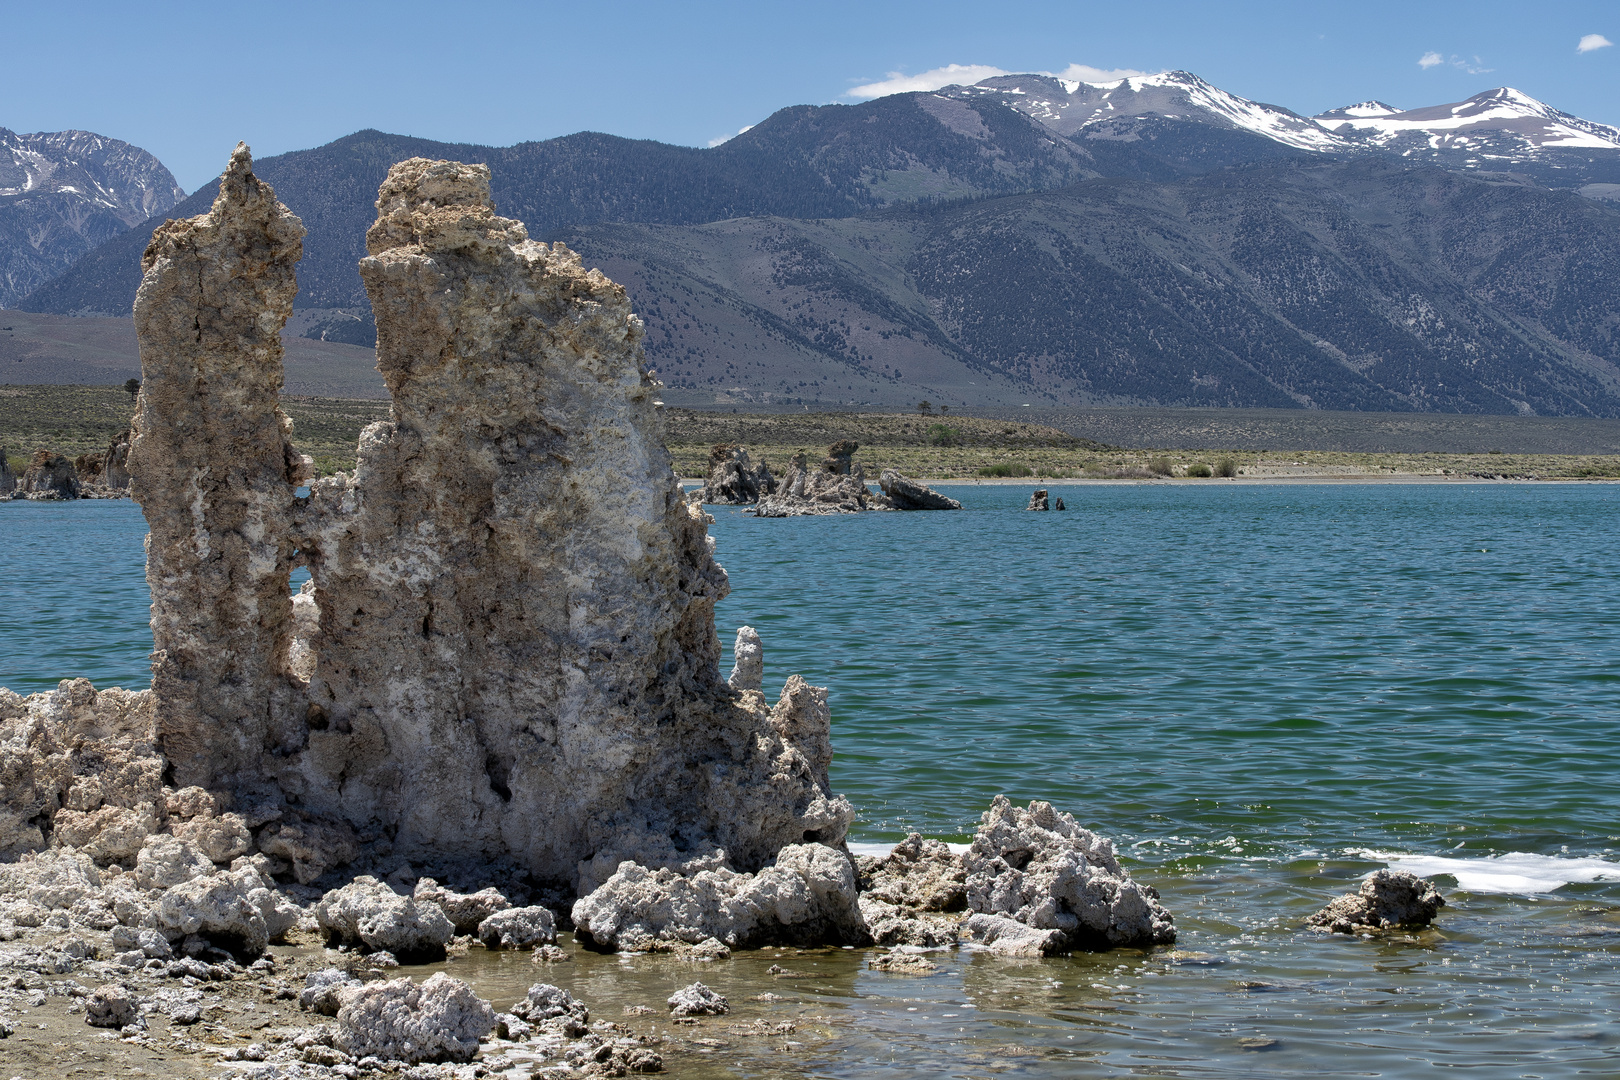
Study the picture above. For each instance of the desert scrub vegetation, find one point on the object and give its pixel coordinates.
(1200, 471)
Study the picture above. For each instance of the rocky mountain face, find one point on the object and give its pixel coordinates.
(1349, 285)
(804, 258)
(63, 193)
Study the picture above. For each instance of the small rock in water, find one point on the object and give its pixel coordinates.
(902, 964)
(697, 1000)
(1037, 501)
(551, 954)
(438, 1020)
(518, 928)
(1059, 504)
(1387, 899)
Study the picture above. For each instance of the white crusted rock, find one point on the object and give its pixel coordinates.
(807, 896)
(518, 928)
(221, 838)
(439, 1020)
(165, 861)
(465, 910)
(223, 907)
(369, 913)
(51, 880)
(748, 673)
(697, 1000)
(111, 1006)
(554, 1010)
(1039, 867)
(1009, 937)
(323, 990)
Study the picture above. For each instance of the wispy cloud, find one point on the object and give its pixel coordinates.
(1593, 41)
(966, 74)
(1473, 65)
(727, 138)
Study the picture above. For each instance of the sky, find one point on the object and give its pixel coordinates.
(187, 80)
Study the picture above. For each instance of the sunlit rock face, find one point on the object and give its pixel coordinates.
(512, 651)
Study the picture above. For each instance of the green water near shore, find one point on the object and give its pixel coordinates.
(1261, 693)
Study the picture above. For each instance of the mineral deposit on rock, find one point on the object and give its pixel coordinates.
(465, 910)
(748, 673)
(906, 494)
(49, 476)
(367, 912)
(733, 479)
(1040, 868)
(1387, 899)
(833, 487)
(808, 896)
(697, 1000)
(439, 1020)
(905, 895)
(518, 928)
(111, 1006)
(1037, 501)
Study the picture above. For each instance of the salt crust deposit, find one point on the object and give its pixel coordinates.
(440, 1019)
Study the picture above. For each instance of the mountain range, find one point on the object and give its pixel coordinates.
(1155, 240)
(63, 193)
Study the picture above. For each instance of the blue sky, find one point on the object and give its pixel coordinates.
(186, 81)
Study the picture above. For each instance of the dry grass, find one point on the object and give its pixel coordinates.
(75, 420)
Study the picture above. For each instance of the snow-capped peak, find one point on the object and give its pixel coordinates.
(1069, 107)
(1500, 119)
(1360, 110)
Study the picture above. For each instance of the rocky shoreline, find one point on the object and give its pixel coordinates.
(494, 716)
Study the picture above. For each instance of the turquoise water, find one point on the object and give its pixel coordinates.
(1262, 692)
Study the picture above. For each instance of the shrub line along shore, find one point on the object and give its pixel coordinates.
(74, 420)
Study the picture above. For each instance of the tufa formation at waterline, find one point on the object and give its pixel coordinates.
(505, 664)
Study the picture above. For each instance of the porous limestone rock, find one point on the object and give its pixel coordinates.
(115, 462)
(808, 895)
(518, 928)
(215, 474)
(166, 860)
(1039, 867)
(834, 487)
(49, 476)
(465, 910)
(733, 479)
(88, 468)
(367, 912)
(111, 1006)
(1009, 937)
(906, 894)
(906, 494)
(68, 757)
(1387, 900)
(1037, 501)
(236, 910)
(324, 990)
(918, 874)
(508, 652)
(748, 673)
(1058, 505)
(697, 1000)
(554, 1009)
(438, 1020)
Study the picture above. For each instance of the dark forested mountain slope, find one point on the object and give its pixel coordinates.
(1343, 286)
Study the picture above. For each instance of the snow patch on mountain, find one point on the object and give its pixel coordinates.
(1503, 115)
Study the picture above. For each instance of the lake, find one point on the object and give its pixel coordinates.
(1260, 692)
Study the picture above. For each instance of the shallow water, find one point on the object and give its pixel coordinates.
(1261, 692)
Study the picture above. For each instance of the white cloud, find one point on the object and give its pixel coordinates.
(1593, 41)
(1475, 66)
(727, 138)
(968, 74)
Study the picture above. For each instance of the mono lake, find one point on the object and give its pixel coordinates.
(1260, 692)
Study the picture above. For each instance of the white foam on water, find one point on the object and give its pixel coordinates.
(1514, 872)
(881, 851)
